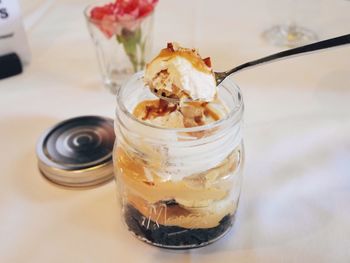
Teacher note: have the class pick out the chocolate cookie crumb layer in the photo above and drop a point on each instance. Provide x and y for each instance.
(173, 236)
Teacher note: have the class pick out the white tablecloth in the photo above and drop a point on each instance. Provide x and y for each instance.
(295, 203)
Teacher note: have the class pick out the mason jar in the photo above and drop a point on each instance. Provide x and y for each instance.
(179, 187)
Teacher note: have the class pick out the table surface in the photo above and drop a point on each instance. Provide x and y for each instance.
(295, 199)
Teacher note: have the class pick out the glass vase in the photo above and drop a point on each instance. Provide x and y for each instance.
(290, 29)
(123, 52)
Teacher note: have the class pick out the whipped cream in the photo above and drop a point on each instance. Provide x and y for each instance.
(173, 158)
(181, 71)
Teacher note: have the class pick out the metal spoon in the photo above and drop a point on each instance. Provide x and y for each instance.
(302, 50)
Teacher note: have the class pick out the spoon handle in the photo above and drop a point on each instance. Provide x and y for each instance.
(324, 44)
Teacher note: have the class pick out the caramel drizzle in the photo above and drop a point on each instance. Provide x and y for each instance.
(193, 112)
(150, 109)
(191, 55)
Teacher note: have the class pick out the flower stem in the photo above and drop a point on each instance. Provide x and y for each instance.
(142, 47)
(130, 40)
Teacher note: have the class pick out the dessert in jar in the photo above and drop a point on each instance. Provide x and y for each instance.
(178, 165)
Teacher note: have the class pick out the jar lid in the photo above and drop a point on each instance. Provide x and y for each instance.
(78, 152)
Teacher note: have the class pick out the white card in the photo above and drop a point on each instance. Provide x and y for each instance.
(12, 34)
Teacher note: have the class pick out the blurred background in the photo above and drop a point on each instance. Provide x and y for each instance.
(218, 28)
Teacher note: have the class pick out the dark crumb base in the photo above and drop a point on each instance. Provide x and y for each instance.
(174, 236)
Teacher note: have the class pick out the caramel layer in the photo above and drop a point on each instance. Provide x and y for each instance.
(131, 172)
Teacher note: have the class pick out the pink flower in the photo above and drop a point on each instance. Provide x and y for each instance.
(113, 17)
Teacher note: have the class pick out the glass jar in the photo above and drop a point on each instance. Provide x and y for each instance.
(180, 187)
(122, 48)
